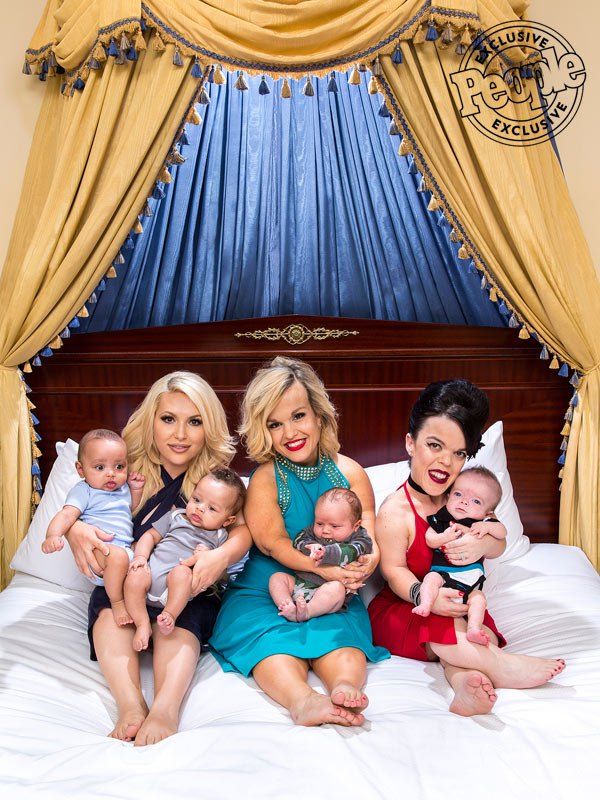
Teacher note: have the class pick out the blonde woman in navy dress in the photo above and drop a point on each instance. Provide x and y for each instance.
(289, 427)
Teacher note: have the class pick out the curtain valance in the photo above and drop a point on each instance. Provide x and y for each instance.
(292, 37)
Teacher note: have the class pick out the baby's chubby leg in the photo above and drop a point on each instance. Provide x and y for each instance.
(432, 583)
(281, 586)
(115, 566)
(137, 584)
(476, 605)
(327, 599)
(179, 584)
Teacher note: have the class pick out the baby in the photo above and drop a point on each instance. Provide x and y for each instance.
(156, 574)
(103, 498)
(473, 497)
(335, 538)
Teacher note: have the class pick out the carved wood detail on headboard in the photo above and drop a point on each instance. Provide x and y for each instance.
(373, 377)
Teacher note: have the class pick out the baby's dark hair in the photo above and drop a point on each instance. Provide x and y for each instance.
(460, 401)
(97, 433)
(488, 476)
(336, 494)
(232, 479)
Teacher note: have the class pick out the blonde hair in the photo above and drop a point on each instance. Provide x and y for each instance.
(142, 455)
(264, 392)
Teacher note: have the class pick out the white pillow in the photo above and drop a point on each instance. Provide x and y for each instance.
(58, 567)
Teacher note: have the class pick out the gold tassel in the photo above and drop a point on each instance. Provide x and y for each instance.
(405, 148)
(218, 76)
(99, 53)
(27, 367)
(139, 41)
(165, 176)
(419, 36)
(524, 333)
(554, 363)
(56, 343)
(285, 89)
(466, 36)
(36, 498)
(30, 405)
(373, 86)
(194, 116)
(462, 252)
(83, 312)
(111, 273)
(159, 45)
(493, 294)
(433, 204)
(35, 451)
(566, 430)
(354, 79)
(562, 472)
(138, 228)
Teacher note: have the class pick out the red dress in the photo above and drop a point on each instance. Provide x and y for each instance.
(393, 623)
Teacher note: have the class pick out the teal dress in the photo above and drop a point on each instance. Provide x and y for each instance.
(249, 627)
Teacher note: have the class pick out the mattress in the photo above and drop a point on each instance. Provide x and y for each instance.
(55, 712)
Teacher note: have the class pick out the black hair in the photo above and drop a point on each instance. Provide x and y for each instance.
(460, 401)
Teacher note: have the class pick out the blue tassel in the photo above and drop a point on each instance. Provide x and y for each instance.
(412, 167)
(35, 468)
(27, 388)
(332, 85)
(93, 63)
(177, 59)
(93, 298)
(197, 71)
(422, 187)
(562, 458)
(441, 221)
(264, 87)
(74, 323)
(143, 25)
(563, 371)
(503, 309)
(101, 286)
(534, 336)
(211, 75)
(79, 84)
(36, 437)
(383, 111)
(46, 352)
(66, 333)
(393, 129)
(59, 70)
(37, 484)
(44, 69)
(432, 33)
(26, 68)
(575, 380)
(473, 269)
(565, 443)
(129, 243)
(544, 355)
(42, 76)
(157, 192)
(113, 49)
(183, 139)
(34, 419)
(513, 322)
(575, 400)
(397, 55)
(132, 54)
(204, 98)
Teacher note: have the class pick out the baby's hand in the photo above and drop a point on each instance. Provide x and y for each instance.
(53, 544)
(139, 562)
(453, 530)
(316, 552)
(136, 480)
(479, 529)
(201, 548)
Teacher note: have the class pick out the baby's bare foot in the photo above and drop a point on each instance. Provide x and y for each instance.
(142, 636)
(317, 709)
(422, 610)
(120, 613)
(301, 609)
(156, 727)
(287, 609)
(478, 636)
(473, 694)
(349, 696)
(129, 722)
(512, 671)
(165, 622)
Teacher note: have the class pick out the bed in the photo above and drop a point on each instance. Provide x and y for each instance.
(55, 709)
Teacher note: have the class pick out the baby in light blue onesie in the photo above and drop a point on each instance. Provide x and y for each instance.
(103, 499)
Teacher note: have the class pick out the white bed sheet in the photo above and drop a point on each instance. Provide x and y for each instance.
(55, 712)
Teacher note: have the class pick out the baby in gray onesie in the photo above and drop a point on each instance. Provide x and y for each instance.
(156, 575)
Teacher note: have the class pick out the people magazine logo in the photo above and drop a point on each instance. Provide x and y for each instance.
(520, 83)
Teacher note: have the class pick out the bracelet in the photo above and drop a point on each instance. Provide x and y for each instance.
(414, 593)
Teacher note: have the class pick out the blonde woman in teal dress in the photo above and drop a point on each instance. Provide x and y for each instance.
(289, 427)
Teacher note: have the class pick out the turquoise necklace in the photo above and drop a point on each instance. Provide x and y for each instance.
(303, 472)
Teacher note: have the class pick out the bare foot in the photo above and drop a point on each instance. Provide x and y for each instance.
(349, 696)
(287, 609)
(422, 610)
(155, 728)
(473, 694)
(301, 609)
(478, 636)
(165, 622)
(317, 709)
(512, 671)
(129, 722)
(120, 613)
(142, 636)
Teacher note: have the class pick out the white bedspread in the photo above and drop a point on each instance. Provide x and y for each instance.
(55, 712)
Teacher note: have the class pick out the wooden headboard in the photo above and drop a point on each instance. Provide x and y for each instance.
(373, 374)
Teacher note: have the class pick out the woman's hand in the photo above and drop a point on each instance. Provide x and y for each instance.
(207, 568)
(368, 564)
(352, 576)
(446, 606)
(83, 539)
(465, 550)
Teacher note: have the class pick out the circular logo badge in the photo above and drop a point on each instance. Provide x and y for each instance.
(520, 83)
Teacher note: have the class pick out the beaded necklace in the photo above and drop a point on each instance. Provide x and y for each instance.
(303, 472)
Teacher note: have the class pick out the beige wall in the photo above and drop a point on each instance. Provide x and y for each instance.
(578, 20)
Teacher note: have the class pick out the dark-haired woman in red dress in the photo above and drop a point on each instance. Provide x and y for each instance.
(445, 429)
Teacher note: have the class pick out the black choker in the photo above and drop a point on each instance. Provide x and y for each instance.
(414, 485)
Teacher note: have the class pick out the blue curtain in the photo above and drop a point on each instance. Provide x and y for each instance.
(298, 206)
